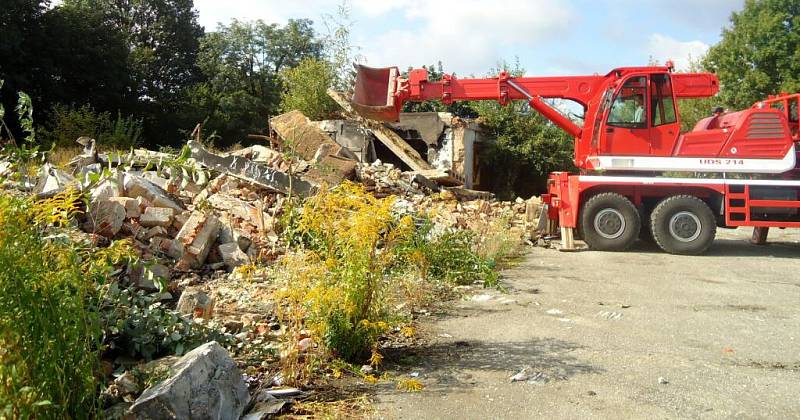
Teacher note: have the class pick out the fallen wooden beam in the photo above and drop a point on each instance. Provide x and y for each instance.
(389, 138)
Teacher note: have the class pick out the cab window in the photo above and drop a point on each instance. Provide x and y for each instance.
(629, 107)
(662, 102)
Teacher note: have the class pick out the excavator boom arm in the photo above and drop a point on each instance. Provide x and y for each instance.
(381, 92)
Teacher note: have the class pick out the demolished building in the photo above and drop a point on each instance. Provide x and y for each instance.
(446, 144)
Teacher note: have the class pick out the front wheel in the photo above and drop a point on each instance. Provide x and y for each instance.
(683, 224)
(610, 222)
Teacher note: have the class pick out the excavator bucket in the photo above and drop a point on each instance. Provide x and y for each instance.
(374, 93)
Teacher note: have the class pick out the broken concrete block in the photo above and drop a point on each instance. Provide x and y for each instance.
(195, 239)
(204, 384)
(136, 186)
(265, 406)
(105, 218)
(157, 216)
(242, 209)
(106, 189)
(131, 205)
(191, 190)
(180, 219)
(196, 303)
(52, 181)
(154, 231)
(333, 170)
(153, 177)
(258, 174)
(532, 209)
(161, 244)
(232, 255)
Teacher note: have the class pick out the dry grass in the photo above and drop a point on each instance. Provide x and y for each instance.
(62, 155)
(348, 408)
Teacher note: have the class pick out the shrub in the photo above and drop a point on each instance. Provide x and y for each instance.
(336, 286)
(138, 324)
(354, 254)
(49, 335)
(69, 123)
(449, 256)
(306, 89)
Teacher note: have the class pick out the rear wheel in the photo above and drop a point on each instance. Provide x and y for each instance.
(683, 224)
(610, 222)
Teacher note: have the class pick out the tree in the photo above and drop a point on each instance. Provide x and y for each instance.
(163, 37)
(527, 147)
(306, 89)
(240, 64)
(759, 54)
(65, 54)
(81, 59)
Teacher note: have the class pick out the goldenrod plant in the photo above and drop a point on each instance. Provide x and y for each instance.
(335, 285)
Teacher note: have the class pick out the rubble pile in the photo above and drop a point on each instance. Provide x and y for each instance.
(384, 179)
(199, 219)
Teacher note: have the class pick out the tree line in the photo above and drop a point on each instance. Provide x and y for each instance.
(146, 71)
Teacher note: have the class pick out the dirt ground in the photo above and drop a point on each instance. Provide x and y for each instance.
(640, 334)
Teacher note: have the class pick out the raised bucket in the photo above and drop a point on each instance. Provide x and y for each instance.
(374, 93)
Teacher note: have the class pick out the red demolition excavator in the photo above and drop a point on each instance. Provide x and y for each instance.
(630, 151)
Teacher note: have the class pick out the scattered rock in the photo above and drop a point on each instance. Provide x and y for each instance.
(196, 303)
(232, 255)
(195, 239)
(522, 375)
(105, 218)
(265, 406)
(662, 380)
(204, 384)
(157, 216)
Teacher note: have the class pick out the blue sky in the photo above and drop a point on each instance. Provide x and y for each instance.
(470, 36)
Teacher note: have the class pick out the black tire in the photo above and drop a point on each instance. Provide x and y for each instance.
(610, 222)
(683, 224)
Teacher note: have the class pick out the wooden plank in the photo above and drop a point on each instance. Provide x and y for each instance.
(389, 138)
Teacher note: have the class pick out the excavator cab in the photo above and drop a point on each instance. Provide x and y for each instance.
(641, 119)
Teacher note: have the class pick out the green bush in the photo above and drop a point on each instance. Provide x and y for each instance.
(138, 324)
(49, 334)
(69, 123)
(306, 89)
(449, 256)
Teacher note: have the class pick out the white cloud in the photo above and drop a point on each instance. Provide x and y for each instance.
(468, 37)
(663, 48)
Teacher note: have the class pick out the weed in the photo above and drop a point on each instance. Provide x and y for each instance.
(48, 332)
(138, 323)
(410, 385)
(450, 256)
(337, 284)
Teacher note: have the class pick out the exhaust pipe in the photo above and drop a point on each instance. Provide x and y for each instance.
(374, 94)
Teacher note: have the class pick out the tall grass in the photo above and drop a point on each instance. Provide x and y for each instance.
(49, 335)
